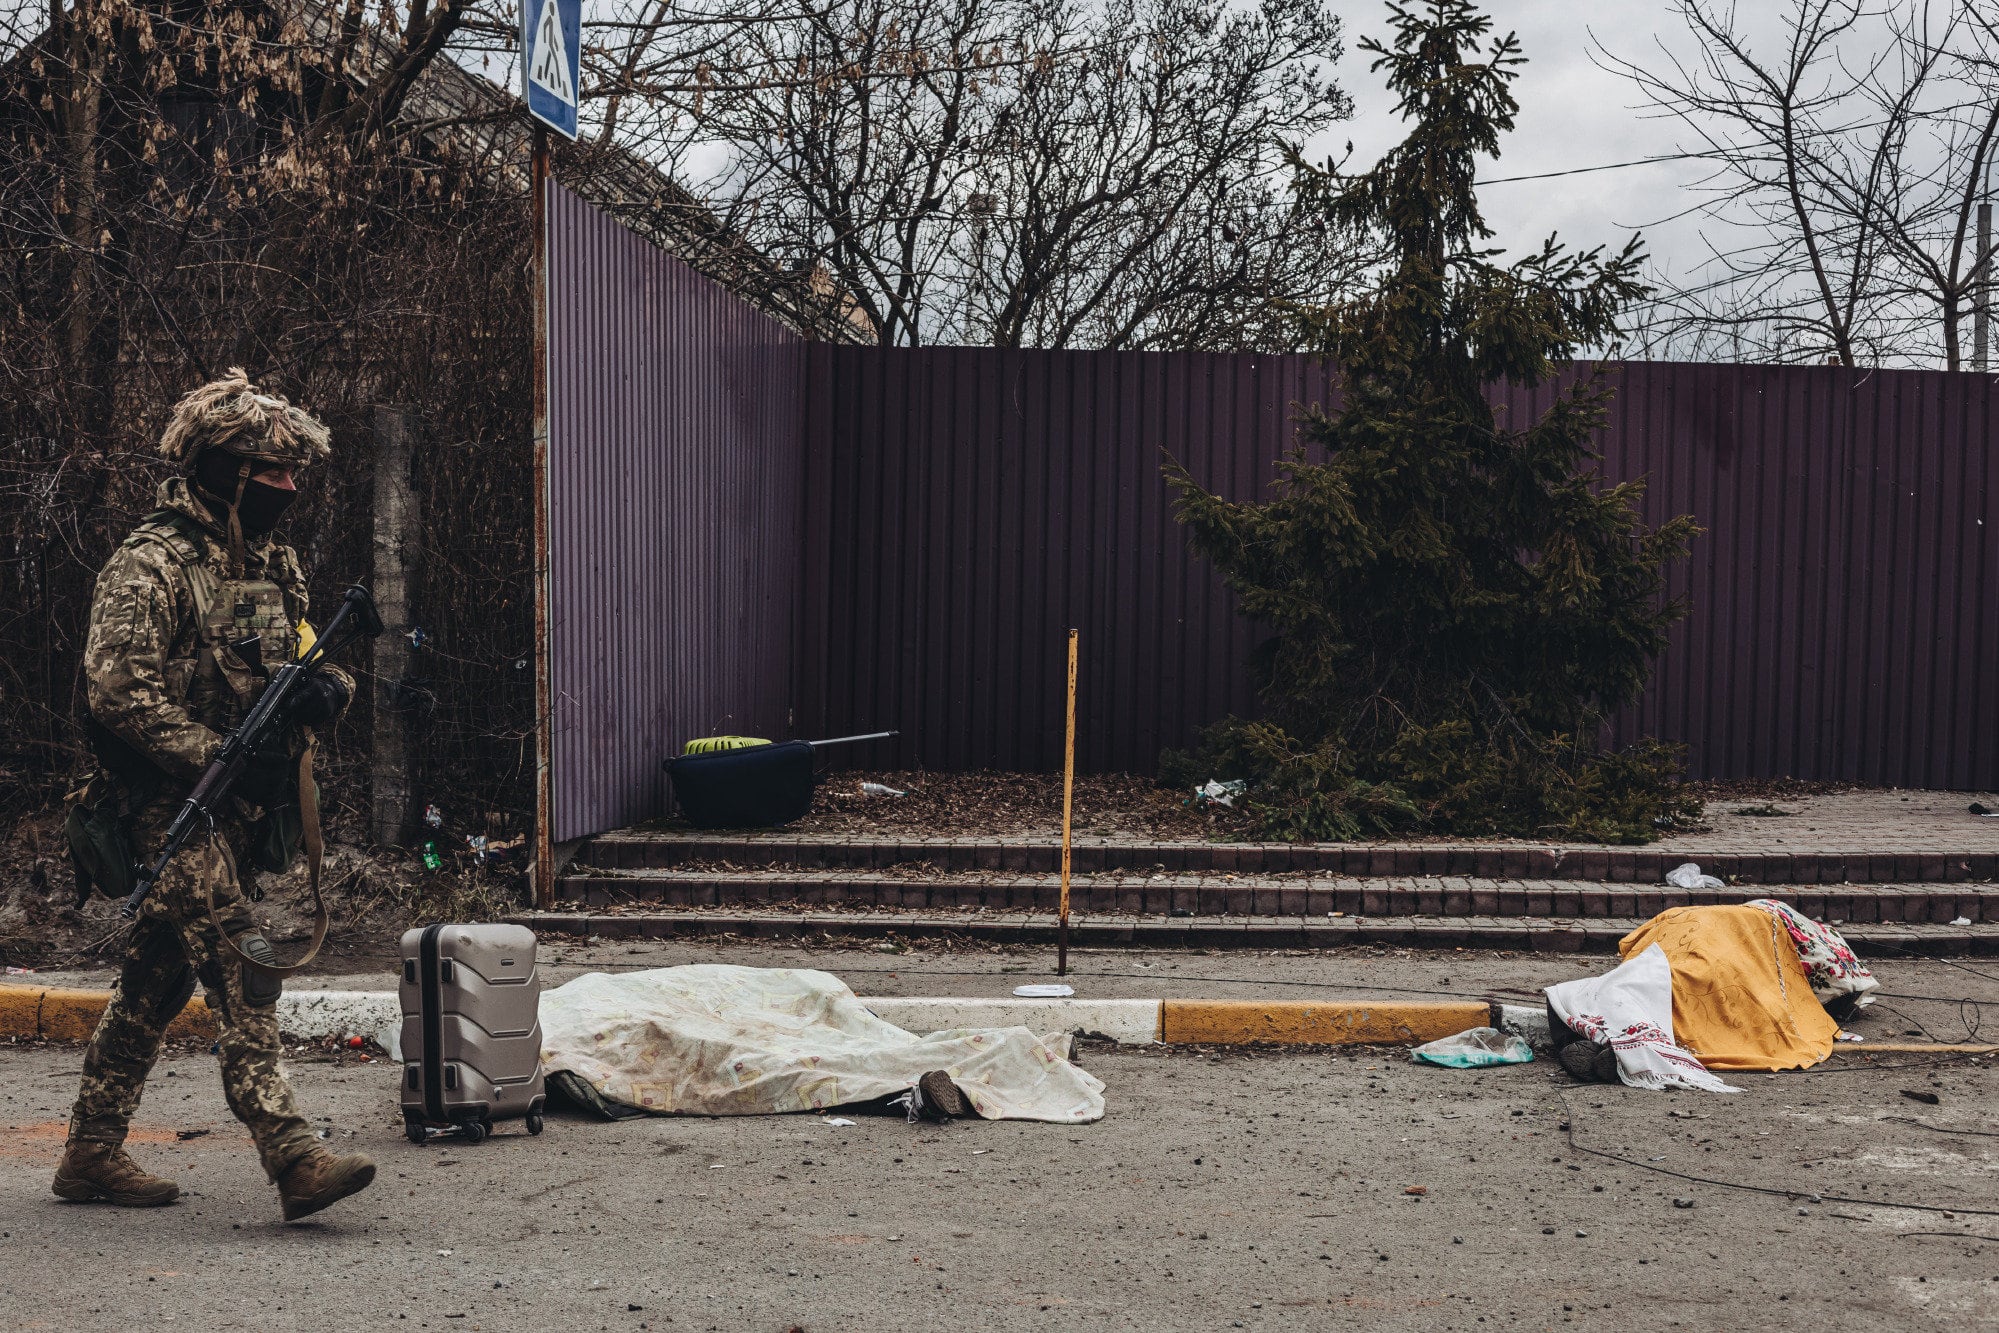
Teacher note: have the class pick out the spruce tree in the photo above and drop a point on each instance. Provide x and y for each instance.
(1455, 599)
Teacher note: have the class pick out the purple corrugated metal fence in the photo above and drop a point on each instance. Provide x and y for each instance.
(744, 526)
(971, 504)
(674, 508)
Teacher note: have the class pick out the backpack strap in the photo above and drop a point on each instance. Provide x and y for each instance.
(182, 538)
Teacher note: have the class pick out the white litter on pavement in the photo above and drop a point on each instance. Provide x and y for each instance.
(1689, 876)
(1044, 990)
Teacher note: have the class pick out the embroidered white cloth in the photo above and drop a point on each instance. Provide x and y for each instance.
(1829, 961)
(1631, 1007)
(717, 1040)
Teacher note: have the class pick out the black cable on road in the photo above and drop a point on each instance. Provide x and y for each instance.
(1569, 1128)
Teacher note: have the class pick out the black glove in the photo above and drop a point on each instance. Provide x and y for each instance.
(320, 699)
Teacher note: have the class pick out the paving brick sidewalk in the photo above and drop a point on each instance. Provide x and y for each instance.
(1881, 822)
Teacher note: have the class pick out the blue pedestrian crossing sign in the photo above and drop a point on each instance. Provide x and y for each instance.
(551, 60)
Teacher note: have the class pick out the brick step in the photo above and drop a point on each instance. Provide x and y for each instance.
(1297, 895)
(1525, 934)
(1619, 865)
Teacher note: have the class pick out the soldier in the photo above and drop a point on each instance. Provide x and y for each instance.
(187, 614)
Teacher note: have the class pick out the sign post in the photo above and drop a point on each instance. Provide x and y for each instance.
(551, 67)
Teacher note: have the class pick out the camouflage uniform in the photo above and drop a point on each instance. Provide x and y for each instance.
(164, 680)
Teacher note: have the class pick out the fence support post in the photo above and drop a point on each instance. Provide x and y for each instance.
(395, 512)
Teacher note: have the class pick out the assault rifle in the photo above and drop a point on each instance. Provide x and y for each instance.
(355, 619)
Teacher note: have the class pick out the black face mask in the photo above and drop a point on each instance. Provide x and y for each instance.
(261, 507)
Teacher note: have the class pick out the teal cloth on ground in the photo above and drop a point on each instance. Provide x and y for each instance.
(1475, 1049)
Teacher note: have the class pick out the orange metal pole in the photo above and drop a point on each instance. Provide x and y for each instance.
(1068, 802)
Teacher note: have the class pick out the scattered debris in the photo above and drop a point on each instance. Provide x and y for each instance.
(880, 789)
(185, 1134)
(1683, 1203)
(433, 817)
(1689, 876)
(1765, 811)
(837, 1120)
(1978, 809)
(1926, 1098)
(1044, 990)
(1417, 1190)
(1475, 1048)
(1223, 794)
(1961, 921)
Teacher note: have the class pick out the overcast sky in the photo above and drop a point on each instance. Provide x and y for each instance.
(1572, 114)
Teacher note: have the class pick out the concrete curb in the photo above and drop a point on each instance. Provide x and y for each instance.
(29, 1013)
(1132, 1022)
(1318, 1022)
(54, 1013)
(71, 1015)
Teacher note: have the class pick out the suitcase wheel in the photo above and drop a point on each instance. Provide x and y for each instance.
(475, 1131)
(534, 1122)
(413, 1129)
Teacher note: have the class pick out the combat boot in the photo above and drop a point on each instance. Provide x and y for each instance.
(320, 1178)
(93, 1172)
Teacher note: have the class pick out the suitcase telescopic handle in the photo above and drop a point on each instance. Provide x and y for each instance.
(855, 740)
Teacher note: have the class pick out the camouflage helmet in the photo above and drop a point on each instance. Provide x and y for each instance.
(231, 415)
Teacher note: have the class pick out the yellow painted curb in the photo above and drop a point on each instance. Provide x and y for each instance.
(20, 1012)
(54, 1014)
(1908, 1048)
(1335, 1023)
(71, 1015)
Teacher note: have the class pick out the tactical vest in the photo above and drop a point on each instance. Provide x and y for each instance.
(243, 629)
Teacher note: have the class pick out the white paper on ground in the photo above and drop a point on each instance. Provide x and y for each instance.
(1044, 990)
(718, 1040)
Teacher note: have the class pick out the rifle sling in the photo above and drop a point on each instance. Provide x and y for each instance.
(310, 839)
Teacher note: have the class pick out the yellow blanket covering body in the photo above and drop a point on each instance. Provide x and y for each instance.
(1741, 999)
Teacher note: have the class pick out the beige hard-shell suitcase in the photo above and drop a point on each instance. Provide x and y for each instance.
(471, 1030)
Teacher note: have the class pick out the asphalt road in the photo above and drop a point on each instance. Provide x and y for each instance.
(1250, 1189)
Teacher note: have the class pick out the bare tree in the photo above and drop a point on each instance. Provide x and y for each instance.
(1016, 172)
(189, 186)
(1848, 168)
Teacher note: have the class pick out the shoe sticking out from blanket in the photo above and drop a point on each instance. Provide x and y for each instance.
(934, 1098)
(941, 1098)
(1589, 1062)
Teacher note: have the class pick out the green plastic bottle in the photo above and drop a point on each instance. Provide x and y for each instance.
(431, 860)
